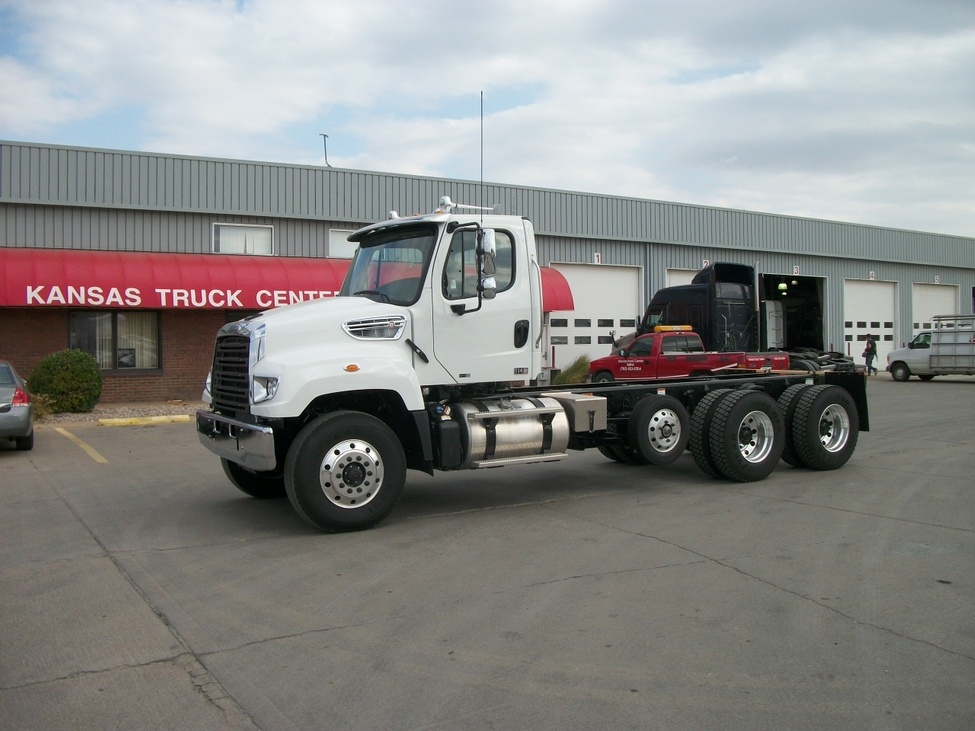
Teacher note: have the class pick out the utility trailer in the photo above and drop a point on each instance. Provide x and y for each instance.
(429, 360)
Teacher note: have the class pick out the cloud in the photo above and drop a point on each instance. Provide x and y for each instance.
(864, 111)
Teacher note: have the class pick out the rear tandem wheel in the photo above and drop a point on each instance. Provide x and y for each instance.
(746, 436)
(698, 442)
(825, 427)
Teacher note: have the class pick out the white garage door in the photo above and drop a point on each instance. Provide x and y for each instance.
(928, 300)
(608, 300)
(680, 276)
(869, 307)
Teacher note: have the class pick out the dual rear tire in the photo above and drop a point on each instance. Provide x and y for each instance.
(738, 435)
(742, 435)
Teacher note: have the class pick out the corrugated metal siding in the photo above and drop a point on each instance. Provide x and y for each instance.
(79, 177)
(105, 229)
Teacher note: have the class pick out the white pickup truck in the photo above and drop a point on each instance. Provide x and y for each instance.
(947, 349)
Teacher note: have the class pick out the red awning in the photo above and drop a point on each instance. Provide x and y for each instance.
(68, 278)
(556, 293)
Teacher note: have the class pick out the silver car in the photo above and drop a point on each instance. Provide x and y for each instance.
(16, 409)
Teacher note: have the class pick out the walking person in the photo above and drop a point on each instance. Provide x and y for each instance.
(869, 353)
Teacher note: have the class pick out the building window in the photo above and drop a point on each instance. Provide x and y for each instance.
(339, 246)
(560, 322)
(235, 238)
(117, 340)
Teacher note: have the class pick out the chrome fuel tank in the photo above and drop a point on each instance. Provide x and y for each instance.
(511, 430)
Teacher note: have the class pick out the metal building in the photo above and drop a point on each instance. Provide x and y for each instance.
(139, 223)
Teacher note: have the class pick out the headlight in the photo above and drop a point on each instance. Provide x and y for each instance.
(207, 396)
(258, 344)
(263, 388)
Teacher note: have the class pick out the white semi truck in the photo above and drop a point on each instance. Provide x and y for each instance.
(429, 359)
(945, 350)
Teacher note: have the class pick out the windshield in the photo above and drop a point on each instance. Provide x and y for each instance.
(391, 267)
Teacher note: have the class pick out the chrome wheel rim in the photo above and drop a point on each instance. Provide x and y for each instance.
(664, 430)
(351, 473)
(756, 435)
(834, 428)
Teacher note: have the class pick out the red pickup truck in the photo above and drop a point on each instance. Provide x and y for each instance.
(676, 352)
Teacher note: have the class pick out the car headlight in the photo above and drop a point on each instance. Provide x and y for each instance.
(263, 388)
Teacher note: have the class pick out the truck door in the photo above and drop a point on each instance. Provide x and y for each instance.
(493, 341)
(639, 361)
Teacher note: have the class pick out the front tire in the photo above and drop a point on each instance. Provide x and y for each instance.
(603, 377)
(260, 485)
(345, 471)
(900, 372)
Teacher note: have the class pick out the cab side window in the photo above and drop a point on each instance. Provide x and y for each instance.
(641, 347)
(674, 344)
(460, 269)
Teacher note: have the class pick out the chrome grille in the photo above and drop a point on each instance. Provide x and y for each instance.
(229, 382)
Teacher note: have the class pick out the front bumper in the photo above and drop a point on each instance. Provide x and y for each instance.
(249, 445)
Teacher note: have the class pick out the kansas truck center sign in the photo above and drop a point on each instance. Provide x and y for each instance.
(56, 278)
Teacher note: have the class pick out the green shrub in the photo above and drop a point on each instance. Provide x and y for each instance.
(70, 379)
(42, 406)
(576, 371)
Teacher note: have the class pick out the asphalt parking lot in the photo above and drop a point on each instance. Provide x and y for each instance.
(139, 589)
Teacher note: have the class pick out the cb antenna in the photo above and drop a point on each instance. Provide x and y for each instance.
(481, 191)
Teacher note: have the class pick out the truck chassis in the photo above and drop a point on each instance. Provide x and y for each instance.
(343, 463)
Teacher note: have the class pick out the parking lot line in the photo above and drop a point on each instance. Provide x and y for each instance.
(92, 452)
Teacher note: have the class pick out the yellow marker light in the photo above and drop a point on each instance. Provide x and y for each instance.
(351, 368)
(671, 328)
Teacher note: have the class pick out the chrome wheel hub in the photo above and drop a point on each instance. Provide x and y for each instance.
(351, 473)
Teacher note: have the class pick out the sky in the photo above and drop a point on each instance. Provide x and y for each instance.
(850, 110)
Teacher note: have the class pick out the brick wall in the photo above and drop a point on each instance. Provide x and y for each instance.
(186, 350)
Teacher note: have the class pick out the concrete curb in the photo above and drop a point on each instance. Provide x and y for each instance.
(145, 420)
